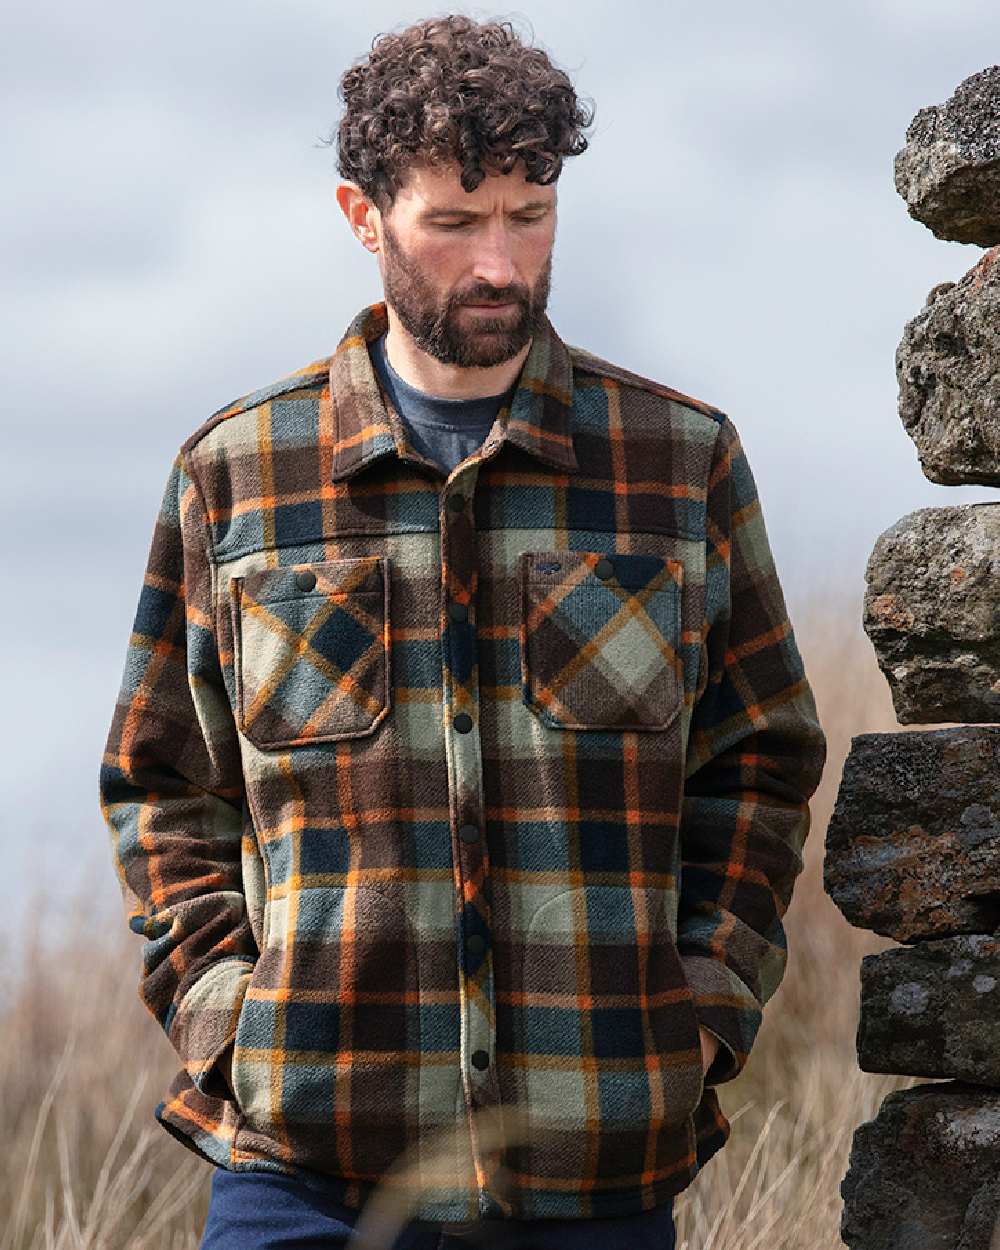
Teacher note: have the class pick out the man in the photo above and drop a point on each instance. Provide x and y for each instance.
(462, 761)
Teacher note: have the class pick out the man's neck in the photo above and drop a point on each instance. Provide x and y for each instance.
(434, 377)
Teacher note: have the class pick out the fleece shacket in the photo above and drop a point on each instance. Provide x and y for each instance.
(457, 801)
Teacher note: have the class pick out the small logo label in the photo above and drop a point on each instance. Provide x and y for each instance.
(548, 566)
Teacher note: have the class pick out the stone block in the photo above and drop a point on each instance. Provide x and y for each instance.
(920, 1167)
(948, 369)
(932, 612)
(913, 843)
(949, 170)
(932, 1010)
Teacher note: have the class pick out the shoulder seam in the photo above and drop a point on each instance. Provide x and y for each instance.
(304, 379)
(587, 362)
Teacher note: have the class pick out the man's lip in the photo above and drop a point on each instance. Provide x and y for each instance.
(508, 303)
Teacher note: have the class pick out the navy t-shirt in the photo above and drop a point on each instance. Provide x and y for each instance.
(446, 430)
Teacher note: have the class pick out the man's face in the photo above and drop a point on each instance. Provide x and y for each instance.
(468, 273)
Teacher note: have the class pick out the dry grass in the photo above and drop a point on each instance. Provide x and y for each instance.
(86, 1166)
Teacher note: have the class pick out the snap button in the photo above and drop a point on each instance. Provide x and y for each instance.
(480, 1059)
(463, 722)
(305, 579)
(456, 502)
(468, 833)
(476, 944)
(604, 567)
(458, 611)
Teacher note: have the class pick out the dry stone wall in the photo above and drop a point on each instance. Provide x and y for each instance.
(913, 847)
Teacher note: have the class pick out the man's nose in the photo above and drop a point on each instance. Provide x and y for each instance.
(494, 263)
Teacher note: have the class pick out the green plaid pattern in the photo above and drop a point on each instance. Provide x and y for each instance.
(444, 794)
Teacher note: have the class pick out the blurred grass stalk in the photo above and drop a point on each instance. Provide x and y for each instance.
(85, 1165)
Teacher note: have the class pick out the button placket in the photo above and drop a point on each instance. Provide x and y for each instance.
(459, 576)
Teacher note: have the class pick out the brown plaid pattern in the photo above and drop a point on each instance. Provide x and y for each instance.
(437, 794)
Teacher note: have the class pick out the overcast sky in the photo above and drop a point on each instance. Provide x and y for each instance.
(170, 240)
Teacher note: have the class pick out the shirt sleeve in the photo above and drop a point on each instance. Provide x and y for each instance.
(756, 752)
(171, 793)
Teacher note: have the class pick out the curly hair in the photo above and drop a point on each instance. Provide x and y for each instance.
(453, 89)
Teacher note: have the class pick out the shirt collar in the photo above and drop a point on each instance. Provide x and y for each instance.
(539, 420)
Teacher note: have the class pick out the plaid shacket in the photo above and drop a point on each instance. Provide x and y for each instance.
(445, 795)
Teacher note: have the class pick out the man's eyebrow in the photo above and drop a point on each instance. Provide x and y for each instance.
(530, 206)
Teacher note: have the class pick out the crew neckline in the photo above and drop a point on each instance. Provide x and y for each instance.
(447, 400)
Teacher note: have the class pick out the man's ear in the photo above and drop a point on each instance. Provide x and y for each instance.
(362, 215)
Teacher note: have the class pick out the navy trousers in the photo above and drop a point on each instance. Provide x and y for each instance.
(268, 1211)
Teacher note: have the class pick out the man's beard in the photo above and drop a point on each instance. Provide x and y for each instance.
(436, 324)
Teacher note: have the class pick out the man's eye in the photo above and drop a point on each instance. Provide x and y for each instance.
(521, 218)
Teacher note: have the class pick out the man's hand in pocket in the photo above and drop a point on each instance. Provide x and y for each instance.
(709, 1046)
(225, 1065)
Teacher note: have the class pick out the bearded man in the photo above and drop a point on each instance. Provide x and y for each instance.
(460, 773)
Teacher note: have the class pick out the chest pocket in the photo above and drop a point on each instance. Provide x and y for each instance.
(311, 651)
(600, 639)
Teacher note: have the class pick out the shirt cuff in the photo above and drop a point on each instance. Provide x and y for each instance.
(727, 1009)
(205, 1023)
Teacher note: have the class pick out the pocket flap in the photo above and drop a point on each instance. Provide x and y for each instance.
(633, 571)
(352, 575)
